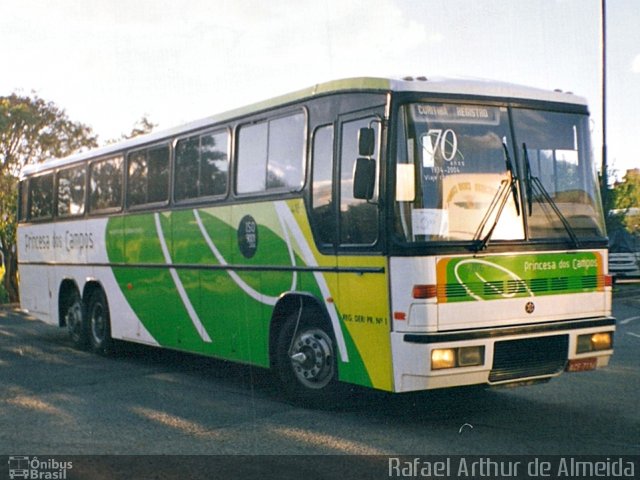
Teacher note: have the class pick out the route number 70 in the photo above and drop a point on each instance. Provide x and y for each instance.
(437, 140)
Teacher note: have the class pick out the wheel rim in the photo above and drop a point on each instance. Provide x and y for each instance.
(98, 323)
(311, 358)
(73, 320)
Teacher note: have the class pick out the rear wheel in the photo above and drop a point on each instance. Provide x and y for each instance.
(74, 319)
(99, 323)
(306, 361)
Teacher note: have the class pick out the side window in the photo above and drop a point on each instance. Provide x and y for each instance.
(105, 184)
(285, 165)
(137, 178)
(23, 206)
(158, 184)
(358, 218)
(71, 190)
(187, 168)
(214, 164)
(148, 176)
(323, 213)
(252, 158)
(271, 155)
(202, 166)
(41, 197)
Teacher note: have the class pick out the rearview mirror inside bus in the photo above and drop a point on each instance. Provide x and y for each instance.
(366, 141)
(364, 178)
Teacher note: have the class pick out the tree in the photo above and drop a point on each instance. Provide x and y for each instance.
(31, 131)
(626, 196)
(8, 255)
(141, 127)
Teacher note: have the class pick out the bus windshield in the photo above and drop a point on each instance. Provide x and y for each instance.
(456, 163)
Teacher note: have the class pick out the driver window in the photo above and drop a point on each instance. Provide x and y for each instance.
(358, 218)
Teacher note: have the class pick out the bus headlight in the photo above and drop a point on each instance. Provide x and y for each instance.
(593, 342)
(457, 357)
(470, 356)
(443, 358)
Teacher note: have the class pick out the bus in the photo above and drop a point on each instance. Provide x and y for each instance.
(402, 234)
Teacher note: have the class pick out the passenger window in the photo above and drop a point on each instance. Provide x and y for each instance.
(202, 166)
(252, 158)
(71, 190)
(158, 182)
(105, 184)
(271, 155)
(285, 166)
(41, 196)
(23, 206)
(187, 167)
(137, 178)
(148, 176)
(214, 164)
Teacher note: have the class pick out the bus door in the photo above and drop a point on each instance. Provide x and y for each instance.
(362, 281)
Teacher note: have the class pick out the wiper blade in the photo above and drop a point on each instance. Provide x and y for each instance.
(528, 180)
(534, 182)
(499, 200)
(514, 177)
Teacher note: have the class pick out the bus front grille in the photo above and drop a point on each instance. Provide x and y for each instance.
(531, 357)
(501, 288)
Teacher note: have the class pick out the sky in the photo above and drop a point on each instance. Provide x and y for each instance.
(109, 62)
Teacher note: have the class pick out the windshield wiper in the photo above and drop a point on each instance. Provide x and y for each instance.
(514, 177)
(499, 200)
(534, 182)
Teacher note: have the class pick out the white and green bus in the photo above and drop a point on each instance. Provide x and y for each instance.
(401, 234)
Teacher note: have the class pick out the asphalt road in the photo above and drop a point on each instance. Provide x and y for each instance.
(55, 399)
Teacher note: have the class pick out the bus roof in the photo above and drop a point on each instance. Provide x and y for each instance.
(418, 84)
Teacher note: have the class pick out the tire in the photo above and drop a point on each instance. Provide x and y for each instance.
(72, 313)
(99, 323)
(306, 363)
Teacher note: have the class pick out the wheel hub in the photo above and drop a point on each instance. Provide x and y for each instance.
(73, 319)
(97, 323)
(312, 358)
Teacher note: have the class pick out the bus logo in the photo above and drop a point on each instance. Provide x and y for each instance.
(26, 467)
(529, 307)
(18, 467)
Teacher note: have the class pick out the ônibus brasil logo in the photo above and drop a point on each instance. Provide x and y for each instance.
(483, 280)
(34, 468)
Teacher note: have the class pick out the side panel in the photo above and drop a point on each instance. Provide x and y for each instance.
(109, 246)
(37, 246)
(364, 307)
(77, 251)
(206, 280)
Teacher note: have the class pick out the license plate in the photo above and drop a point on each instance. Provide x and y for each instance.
(582, 364)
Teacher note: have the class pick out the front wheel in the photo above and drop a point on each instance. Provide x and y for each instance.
(99, 323)
(306, 362)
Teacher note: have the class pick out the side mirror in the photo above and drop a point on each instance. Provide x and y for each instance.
(364, 178)
(366, 141)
